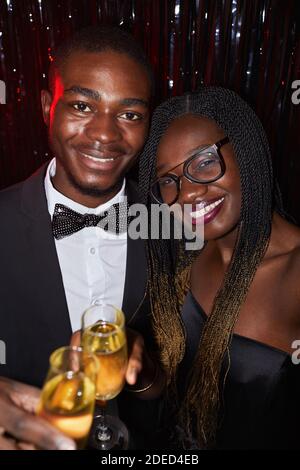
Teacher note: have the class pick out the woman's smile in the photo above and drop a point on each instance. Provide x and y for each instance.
(206, 211)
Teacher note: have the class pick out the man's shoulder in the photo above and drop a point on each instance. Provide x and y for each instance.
(11, 197)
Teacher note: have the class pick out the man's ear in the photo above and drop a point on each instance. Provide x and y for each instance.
(46, 100)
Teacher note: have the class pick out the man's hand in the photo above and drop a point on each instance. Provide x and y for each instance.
(19, 427)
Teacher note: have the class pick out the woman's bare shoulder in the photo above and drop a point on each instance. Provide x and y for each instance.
(284, 251)
(285, 238)
(288, 238)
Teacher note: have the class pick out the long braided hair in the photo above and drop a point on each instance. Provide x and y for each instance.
(169, 266)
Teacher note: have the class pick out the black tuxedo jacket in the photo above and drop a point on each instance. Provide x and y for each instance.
(34, 318)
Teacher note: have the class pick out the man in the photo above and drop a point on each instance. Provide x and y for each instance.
(97, 113)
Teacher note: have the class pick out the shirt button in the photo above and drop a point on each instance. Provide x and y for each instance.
(92, 250)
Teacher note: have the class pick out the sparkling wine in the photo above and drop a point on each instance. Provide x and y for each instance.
(67, 402)
(107, 342)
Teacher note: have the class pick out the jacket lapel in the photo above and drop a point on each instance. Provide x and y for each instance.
(44, 261)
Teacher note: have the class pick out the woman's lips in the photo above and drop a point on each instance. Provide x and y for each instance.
(205, 212)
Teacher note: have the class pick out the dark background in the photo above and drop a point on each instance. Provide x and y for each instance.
(250, 46)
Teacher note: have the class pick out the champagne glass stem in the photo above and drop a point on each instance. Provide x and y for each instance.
(103, 433)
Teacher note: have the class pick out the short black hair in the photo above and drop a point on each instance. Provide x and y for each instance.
(98, 39)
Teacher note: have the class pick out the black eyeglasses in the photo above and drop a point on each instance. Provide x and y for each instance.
(205, 166)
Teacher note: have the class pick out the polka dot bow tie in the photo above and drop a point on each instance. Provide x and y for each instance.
(65, 221)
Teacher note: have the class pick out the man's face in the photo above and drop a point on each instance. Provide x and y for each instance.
(98, 121)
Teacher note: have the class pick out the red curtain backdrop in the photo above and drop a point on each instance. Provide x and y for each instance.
(250, 46)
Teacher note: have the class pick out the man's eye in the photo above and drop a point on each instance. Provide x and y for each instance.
(81, 107)
(130, 116)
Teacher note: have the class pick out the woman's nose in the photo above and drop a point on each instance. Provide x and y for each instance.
(190, 191)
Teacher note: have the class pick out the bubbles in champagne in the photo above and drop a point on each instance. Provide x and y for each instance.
(108, 342)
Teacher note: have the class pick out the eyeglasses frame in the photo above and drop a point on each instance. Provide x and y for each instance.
(177, 179)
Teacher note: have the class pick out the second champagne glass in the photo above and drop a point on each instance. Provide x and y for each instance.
(68, 396)
(103, 334)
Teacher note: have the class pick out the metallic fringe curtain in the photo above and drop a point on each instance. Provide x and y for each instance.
(250, 46)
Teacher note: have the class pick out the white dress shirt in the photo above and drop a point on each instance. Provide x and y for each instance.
(92, 261)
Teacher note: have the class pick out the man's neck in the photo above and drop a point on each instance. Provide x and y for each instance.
(87, 200)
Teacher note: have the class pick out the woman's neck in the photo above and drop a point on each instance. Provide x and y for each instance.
(224, 246)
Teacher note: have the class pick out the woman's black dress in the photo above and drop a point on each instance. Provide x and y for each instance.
(261, 400)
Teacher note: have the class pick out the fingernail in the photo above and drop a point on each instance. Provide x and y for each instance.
(65, 444)
(133, 374)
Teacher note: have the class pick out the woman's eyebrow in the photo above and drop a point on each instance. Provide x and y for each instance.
(190, 153)
(197, 149)
(160, 167)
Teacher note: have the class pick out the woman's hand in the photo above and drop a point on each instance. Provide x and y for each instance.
(142, 370)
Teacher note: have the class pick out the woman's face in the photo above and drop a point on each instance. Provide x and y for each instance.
(215, 204)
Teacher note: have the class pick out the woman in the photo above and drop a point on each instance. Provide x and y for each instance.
(229, 351)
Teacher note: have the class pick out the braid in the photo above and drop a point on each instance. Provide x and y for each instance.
(167, 275)
(169, 266)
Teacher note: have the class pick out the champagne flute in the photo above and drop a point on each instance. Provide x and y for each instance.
(103, 334)
(68, 396)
